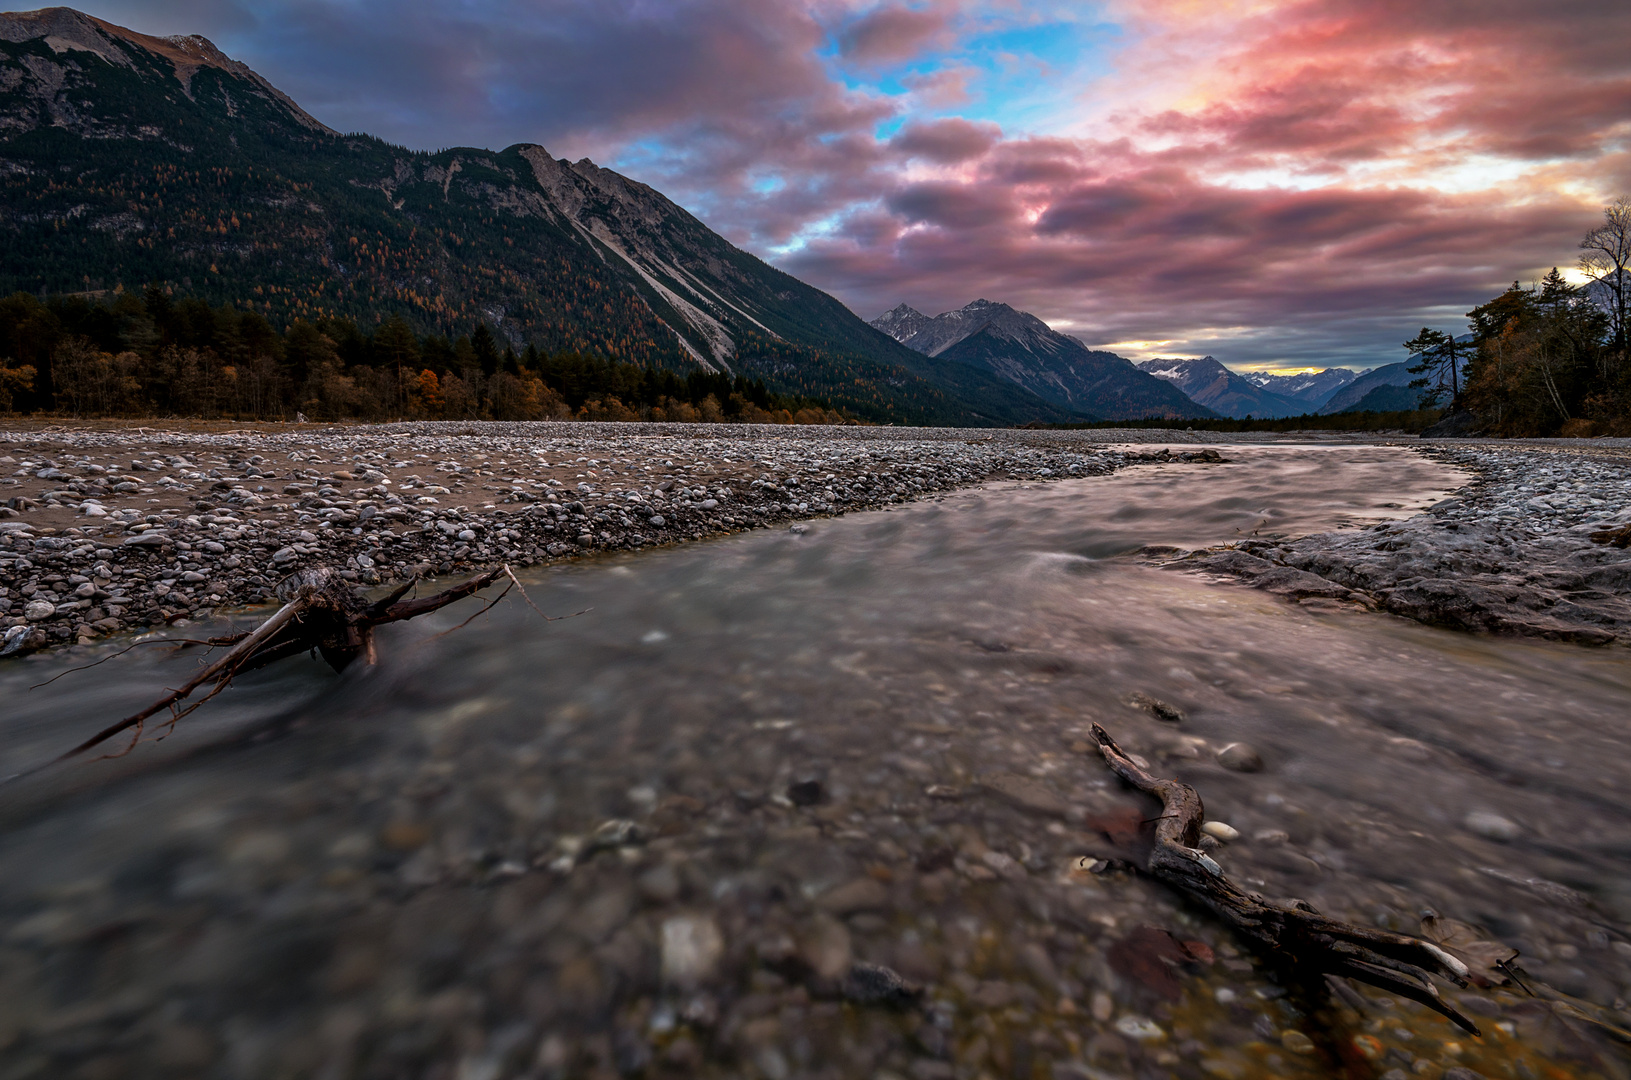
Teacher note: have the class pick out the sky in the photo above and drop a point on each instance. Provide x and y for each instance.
(1282, 184)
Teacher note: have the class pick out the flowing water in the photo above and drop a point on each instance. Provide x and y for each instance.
(859, 743)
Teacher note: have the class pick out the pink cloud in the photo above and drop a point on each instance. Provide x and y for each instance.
(946, 142)
(892, 33)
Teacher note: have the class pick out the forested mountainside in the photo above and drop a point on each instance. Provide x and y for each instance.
(127, 160)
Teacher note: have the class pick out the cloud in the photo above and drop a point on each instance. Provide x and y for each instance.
(893, 33)
(946, 142)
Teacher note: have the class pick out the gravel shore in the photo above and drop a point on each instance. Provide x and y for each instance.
(1534, 546)
(105, 529)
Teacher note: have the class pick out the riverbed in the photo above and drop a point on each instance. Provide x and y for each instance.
(657, 837)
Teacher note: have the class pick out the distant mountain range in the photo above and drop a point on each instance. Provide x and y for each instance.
(1211, 384)
(1311, 389)
(127, 159)
(1383, 389)
(1022, 349)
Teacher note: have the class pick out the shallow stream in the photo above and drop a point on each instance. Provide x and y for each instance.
(858, 743)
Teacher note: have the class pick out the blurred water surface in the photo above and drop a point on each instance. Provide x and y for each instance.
(862, 742)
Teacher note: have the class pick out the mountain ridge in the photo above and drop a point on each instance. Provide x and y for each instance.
(1313, 388)
(1021, 348)
(183, 166)
(1209, 383)
(1393, 379)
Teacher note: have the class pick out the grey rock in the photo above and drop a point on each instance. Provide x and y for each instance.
(805, 791)
(691, 949)
(862, 894)
(1025, 792)
(874, 984)
(1157, 708)
(1492, 826)
(1240, 757)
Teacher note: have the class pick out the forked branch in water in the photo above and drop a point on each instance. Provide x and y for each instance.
(320, 611)
(1291, 935)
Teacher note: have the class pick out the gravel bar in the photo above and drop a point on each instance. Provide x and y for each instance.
(1535, 545)
(110, 528)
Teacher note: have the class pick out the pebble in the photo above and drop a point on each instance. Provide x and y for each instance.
(872, 984)
(1296, 1041)
(1240, 757)
(1218, 830)
(1492, 825)
(691, 948)
(862, 894)
(1025, 792)
(1140, 1028)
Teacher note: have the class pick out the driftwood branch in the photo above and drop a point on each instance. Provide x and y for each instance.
(320, 612)
(1290, 935)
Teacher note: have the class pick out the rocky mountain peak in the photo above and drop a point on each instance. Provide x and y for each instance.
(66, 31)
(901, 321)
(933, 336)
(1017, 346)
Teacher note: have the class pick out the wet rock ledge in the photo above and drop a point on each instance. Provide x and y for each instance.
(1536, 545)
(103, 530)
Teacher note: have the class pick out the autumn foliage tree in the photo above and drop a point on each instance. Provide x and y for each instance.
(1535, 369)
(152, 354)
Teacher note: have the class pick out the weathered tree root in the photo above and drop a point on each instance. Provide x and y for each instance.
(1291, 936)
(320, 611)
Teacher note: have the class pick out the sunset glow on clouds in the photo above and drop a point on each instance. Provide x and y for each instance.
(1276, 182)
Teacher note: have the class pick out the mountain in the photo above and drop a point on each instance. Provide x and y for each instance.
(127, 159)
(1019, 347)
(1383, 389)
(900, 322)
(1312, 389)
(1211, 384)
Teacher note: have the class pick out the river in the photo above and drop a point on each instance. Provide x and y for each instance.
(859, 742)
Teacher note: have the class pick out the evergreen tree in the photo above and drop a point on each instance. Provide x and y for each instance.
(1437, 355)
(486, 349)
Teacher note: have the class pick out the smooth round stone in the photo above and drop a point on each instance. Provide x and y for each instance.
(1138, 1027)
(1240, 757)
(1491, 825)
(1219, 831)
(35, 610)
(1296, 1042)
(692, 946)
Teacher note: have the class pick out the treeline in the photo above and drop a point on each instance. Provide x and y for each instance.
(152, 354)
(1410, 421)
(1548, 360)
